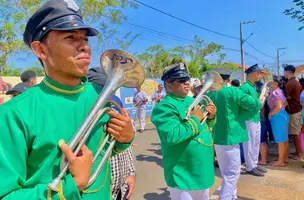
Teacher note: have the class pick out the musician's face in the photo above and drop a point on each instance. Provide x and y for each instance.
(179, 87)
(66, 53)
(255, 76)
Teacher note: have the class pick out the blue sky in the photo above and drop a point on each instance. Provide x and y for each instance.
(271, 30)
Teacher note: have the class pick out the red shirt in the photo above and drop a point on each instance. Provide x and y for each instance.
(293, 92)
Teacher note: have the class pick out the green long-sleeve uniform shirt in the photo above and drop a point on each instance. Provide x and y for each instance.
(253, 116)
(186, 145)
(31, 125)
(230, 128)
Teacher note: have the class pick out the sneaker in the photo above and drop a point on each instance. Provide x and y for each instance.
(255, 172)
(261, 169)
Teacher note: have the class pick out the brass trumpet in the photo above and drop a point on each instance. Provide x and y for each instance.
(122, 69)
(211, 81)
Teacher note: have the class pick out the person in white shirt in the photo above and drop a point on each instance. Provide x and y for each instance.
(140, 100)
(159, 94)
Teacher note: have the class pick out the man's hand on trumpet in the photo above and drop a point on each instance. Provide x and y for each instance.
(120, 126)
(211, 109)
(79, 165)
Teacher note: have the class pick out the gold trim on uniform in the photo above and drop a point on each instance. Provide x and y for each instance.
(62, 90)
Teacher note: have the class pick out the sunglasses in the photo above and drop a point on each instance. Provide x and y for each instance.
(182, 80)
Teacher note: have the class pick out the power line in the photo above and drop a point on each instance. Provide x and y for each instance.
(198, 26)
(259, 50)
(187, 22)
(181, 38)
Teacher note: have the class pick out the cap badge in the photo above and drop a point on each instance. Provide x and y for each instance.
(181, 66)
(72, 5)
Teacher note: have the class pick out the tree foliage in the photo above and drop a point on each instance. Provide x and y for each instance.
(104, 15)
(297, 13)
(156, 58)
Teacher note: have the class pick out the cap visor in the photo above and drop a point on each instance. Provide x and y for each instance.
(10, 92)
(74, 24)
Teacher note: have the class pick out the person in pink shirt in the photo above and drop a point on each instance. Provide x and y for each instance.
(279, 120)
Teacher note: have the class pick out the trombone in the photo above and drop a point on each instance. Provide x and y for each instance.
(211, 81)
(122, 69)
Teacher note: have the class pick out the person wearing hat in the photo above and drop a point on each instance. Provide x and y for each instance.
(18, 89)
(187, 145)
(196, 87)
(229, 131)
(293, 91)
(122, 165)
(159, 94)
(252, 147)
(34, 128)
(29, 77)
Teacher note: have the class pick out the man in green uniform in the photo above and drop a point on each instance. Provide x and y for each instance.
(229, 131)
(35, 122)
(252, 147)
(187, 145)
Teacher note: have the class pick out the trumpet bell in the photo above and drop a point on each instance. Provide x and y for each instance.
(215, 77)
(117, 63)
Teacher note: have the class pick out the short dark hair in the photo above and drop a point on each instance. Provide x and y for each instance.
(27, 76)
(235, 83)
(290, 68)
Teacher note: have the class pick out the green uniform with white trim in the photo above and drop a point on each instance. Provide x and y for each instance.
(187, 146)
(31, 126)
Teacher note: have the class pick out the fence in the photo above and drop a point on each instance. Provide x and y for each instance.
(125, 94)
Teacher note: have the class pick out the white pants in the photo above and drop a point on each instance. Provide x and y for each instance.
(177, 194)
(141, 115)
(229, 160)
(252, 147)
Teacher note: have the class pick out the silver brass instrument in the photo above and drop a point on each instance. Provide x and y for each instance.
(211, 81)
(264, 89)
(122, 69)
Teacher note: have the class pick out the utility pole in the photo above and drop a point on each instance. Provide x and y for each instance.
(242, 48)
(278, 59)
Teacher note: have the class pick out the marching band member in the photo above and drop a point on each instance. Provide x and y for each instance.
(159, 94)
(252, 147)
(229, 131)
(140, 100)
(187, 146)
(35, 122)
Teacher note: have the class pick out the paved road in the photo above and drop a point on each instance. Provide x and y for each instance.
(278, 184)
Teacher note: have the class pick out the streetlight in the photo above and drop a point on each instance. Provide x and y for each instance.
(242, 48)
(278, 58)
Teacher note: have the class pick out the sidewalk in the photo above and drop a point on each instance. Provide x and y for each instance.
(278, 184)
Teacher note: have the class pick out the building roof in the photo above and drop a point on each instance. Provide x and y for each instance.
(300, 69)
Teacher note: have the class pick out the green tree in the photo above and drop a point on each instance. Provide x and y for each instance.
(297, 13)
(196, 55)
(39, 70)
(155, 59)
(102, 14)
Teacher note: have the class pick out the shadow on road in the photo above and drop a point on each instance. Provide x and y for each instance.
(156, 151)
(147, 158)
(154, 196)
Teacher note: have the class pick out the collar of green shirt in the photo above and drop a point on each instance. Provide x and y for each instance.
(250, 83)
(180, 98)
(63, 89)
